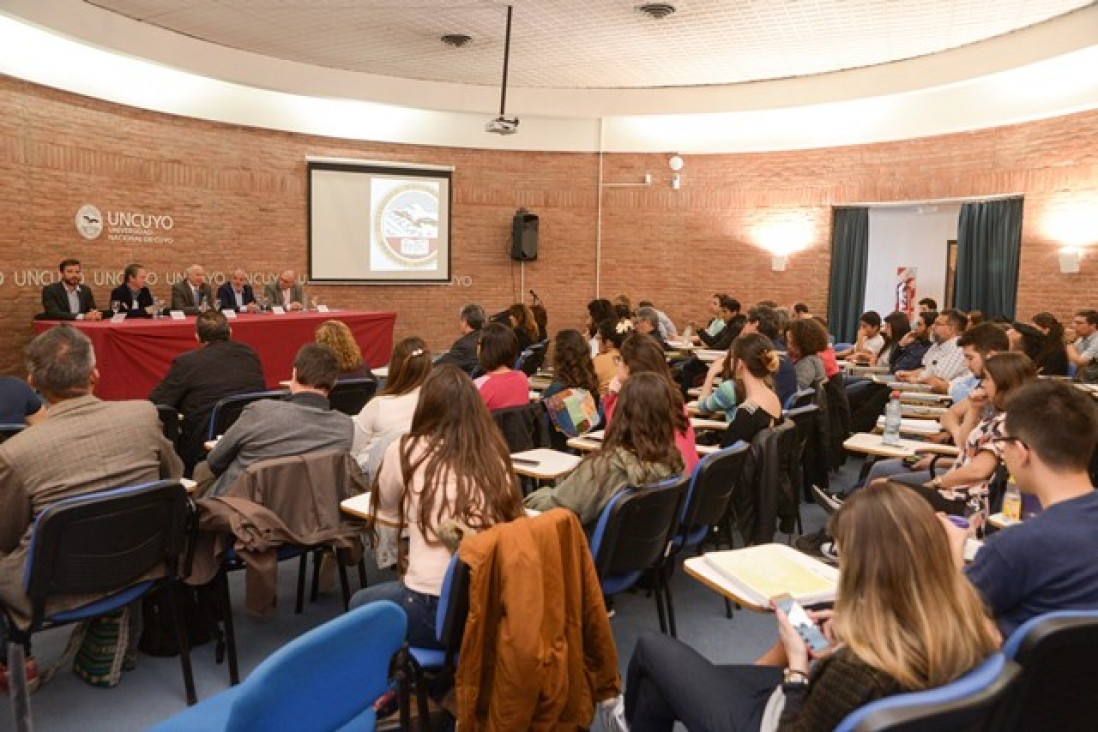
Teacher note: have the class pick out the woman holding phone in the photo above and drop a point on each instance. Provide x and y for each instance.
(904, 620)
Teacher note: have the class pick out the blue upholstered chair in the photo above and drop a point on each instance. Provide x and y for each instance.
(967, 704)
(324, 680)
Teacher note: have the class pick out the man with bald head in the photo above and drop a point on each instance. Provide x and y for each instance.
(237, 294)
(190, 292)
(286, 292)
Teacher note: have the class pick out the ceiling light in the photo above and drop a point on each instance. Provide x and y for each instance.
(457, 40)
(659, 11)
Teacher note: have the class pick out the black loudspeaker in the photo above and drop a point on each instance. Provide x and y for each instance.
(524, 236)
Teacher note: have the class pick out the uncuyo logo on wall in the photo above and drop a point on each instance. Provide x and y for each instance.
(89, 221)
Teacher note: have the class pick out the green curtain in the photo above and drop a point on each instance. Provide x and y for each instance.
(989, 242)
(849, 254)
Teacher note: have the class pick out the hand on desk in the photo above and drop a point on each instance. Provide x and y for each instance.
(93, 315)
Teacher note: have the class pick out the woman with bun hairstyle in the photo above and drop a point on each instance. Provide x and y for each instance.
(610, 335)
(753, 363)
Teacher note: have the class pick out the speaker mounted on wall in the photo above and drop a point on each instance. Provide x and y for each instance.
(524, 236)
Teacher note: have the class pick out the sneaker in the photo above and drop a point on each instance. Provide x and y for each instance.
(810, 543)
(828, 501)
(829, 553)
(612, 714)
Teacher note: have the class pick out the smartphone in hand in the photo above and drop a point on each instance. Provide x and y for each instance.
(804, 626)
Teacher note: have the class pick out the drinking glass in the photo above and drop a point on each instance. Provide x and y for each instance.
(115, 305)
(315, 300)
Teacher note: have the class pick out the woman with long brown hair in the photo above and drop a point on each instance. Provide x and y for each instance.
(572, 366)
(524, 324)
(639, 448)
(904, 620)
(389, 414)
(452, 465)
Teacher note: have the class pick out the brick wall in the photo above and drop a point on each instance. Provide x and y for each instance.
(236, 197)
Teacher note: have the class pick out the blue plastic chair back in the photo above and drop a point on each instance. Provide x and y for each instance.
(799, 398)
(692, 527)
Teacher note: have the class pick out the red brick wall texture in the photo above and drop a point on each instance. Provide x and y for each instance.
(236, 197)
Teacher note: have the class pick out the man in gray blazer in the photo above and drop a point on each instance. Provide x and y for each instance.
(84, 445)
(189, 292)
(272, 428)
(286, 292)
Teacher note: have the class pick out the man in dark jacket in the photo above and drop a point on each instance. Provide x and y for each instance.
(463, 353)
(69, 299)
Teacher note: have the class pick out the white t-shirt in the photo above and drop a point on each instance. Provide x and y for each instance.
(874, 344)
(383, 419)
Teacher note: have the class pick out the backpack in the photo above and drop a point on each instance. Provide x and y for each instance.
(573, 411)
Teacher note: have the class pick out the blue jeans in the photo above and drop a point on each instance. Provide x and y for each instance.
(420, 608)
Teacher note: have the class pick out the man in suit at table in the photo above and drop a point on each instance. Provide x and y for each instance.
(237, 294)
(463, 353)
(198, 379)
(190, 292)
(69, 299)
(85, 445)
(271, 428)
(133, 296)
(286, 292)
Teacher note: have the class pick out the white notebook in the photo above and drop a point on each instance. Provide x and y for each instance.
(759, 573)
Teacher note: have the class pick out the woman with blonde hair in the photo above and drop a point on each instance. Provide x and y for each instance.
(336, 335)
(389, 414)
(904, 620)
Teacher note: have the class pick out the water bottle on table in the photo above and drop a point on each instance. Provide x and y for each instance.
(893, 415)
(1012, 501)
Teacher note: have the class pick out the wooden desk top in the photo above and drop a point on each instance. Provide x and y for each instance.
(544, 464)
(912, 426)
(871, 444)
(785, 564)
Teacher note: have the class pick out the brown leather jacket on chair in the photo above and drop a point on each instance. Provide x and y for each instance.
(287, 500)
(538, 652)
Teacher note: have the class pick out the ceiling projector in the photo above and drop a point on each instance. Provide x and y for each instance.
(502, 125)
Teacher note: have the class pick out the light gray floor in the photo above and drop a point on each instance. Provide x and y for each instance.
(154, 691)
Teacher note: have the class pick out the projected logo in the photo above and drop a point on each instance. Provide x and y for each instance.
(406, 224)
(89, 222)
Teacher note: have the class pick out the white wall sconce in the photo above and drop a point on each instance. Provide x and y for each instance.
(1069, 260)
(778, 262)
(675, 163)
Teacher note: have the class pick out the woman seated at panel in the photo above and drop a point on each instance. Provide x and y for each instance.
(452, 466)
(389, 414)
(336, 335)
(966, 482)
(610, 335)
(641, 354)
(806, 340)
(521, 318)
(904, 620)
(639, 449)
(500, 385)
(752, 361)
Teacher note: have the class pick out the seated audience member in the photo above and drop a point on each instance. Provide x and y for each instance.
(975, 317)
(18, 402)
(1083, 353)
(716, 323)
(338, 336)
(667, 328)
(868, 399)
(641, 354)
(624, 305)
(870, 341)
(521, 319)
(720, 397)
(271, 428)
(572, 365)
(753, 362)
(732, 323)
(1047, 562)
(285, 292)
(389, 414)
(800, 310)
(500, 385)
(192, 292)
(944, 360)
(639, 449)
(764, 319)
(928, 304)
(86, 445)
(610, 336)
(827, 355)
(977, 344)
(966, 482)
(541, 317)
(647, 322)
(598, 311)
(198, 379)
(68, 299)
(463, 352)
(806, 340)
(452, 466)
(1051, 359)
(133, 297)
(904, 620)
(237, 294)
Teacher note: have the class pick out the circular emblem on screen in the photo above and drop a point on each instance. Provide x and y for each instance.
(89, 222)
(406, 224)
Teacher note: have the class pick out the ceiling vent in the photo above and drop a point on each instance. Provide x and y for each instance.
(457, 40)
(659, 11)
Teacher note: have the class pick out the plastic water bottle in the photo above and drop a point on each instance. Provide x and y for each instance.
(892, 420)
(1012, 501)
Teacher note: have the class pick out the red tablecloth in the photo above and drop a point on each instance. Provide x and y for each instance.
(134, 356)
